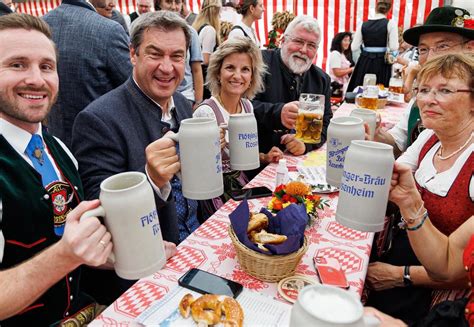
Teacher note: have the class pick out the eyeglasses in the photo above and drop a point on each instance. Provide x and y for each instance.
(442, 47)
(301, 43)
(439, 94)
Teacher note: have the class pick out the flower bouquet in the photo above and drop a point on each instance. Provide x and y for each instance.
(298, 193)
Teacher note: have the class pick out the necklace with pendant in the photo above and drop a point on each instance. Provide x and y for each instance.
(440, 154)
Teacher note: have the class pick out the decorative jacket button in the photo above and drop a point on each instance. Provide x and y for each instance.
(46, 196)
(76, 188)
(71, 297)
(70, 279)
(67, 314)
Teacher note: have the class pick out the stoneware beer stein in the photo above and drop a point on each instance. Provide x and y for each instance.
(369, 117)
(200, 157)
(243, 142)
(127, 205)
(363, 194)
(341, 131)
(329, 306)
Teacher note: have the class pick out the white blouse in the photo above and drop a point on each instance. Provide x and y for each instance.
(426, 175)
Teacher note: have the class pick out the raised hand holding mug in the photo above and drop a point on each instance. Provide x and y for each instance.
(200, 157)
(129, 211)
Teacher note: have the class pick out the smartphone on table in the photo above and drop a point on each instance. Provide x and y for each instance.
(251, 193)
(330, 272)
(206, 283)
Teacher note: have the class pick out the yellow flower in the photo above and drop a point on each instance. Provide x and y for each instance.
(270, 204)
(309, 205)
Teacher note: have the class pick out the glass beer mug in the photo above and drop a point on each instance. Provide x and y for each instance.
(309, 123)
(370, 98)
(396, 85)
(369, 79)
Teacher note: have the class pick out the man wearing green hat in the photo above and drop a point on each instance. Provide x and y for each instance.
(446, 30)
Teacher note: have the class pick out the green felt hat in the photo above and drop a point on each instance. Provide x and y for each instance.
(443, 19)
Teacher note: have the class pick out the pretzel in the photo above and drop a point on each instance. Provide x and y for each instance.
(185, 305)
(208, 309)
(234, 315)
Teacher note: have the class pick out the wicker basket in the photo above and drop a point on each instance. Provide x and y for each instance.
(267, 268)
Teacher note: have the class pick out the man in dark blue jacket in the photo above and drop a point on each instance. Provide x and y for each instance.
(123, 131)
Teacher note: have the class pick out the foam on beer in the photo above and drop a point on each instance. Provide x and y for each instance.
(329, 306)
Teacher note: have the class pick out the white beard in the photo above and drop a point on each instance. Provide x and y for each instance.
(296, 65)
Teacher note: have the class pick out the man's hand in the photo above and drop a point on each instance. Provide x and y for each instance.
(162, 162)
(289, 113)
(293, 145)
(87, 241)
(382, 276)
(273, 155)
(366, 132)
(170, 249)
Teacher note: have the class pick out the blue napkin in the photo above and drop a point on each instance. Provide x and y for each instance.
(290, 221)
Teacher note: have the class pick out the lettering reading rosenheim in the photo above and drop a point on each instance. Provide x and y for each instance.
(251, 139)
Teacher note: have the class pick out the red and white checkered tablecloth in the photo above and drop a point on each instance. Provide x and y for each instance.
(210, 248)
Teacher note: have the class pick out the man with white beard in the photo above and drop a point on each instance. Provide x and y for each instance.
(290, 73)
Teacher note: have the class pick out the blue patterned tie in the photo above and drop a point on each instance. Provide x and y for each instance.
(186, 210)
(35, 151)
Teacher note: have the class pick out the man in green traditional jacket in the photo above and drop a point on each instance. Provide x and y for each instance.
(446, 30)
(42, 241)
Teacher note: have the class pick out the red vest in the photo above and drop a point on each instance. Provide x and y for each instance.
(451, 211)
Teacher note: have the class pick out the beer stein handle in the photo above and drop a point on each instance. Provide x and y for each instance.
(175, 138)
(98, 212)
